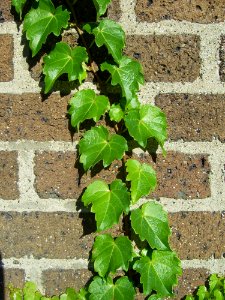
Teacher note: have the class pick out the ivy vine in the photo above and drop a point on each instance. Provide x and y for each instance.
(144, 248)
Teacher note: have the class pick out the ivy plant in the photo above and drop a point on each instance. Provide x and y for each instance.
(141, 253)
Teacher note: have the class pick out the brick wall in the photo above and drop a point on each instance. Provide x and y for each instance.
(43, 237)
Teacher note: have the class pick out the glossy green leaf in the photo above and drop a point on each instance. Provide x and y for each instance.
(101, 6)
(148, 121)
(106, 289)
(108, 202)
(40, 22)
(19, 4)
(85, 105)
(128, 75)
(142, 178)
(111, 254)
(116, 113)
(202, 292)
(64, 60)
(159, 272)
(97, 144)
(150, 222)
(111, 35)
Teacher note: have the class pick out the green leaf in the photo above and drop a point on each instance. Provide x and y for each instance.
(19, 4)
(85, 105)
(101, 6)
(108, 202)
(202, 292)
(116, 113)
(105, 289)
(30, 292)
(150, 222)
(142, 177)
(15, 293)
(110, 254)
(40, 22)
(64, 60)
(128, 75)
(97, 144)
(159, 273)
(148, 121)
(110, 34)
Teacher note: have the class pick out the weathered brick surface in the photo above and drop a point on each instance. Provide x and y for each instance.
(5, 14)
(114, 11)
(166, 58)
(194, 11)
(30, 117)
(179, 175)
(8, 175)
(16, 277)
(49, 235)
(55, 282)
(194, 117)
(6, 61)
(222, 59)
(198, 235)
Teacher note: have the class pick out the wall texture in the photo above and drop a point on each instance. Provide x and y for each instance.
(43, 237)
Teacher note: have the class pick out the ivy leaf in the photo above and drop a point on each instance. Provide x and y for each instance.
(145, 122)
(40, 22)
(19, 4)
(30, 291)
(105, 289)
(108, 202)
(142, 177)
(150, 222)
(97, 144)
(85, 105)
(110, 254)
(159, 272)
(64, 60)
(101, 6)
(110, 34)
(128, 75)
(202, 292)
(116, 113)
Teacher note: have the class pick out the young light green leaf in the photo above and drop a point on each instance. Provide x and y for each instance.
(116, 113)
(40, 22)
(128, 75)
(15, 293)
(159, 272)
(150, 222)
(105, 289)
(142, 177)
(64, 60)
(148, 121)
(30, 291)
(110, 34)
(110, 254)
(85, 105)
(97, 144)
(108, 202)
(19, 4)
(101, 6)
(202, 293)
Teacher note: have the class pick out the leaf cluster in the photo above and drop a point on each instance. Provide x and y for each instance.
(143, 249)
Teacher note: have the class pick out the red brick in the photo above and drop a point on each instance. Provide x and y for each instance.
(198, 235)
(16, 277)
(55, 282)
(6, 61)
(194, 11)
(166, 58)
(8, 175)
(194, 117)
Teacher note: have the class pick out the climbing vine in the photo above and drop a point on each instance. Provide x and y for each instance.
(142, 252)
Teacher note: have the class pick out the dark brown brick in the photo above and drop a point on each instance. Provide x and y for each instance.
(5, 14)
(8, 175)
(222, 59)
(30, 117)
(16, 277)
(49, 235)
(198, 235)
(194, 117)
(55, 282)
(166, 58)
(179, 175)
(194, 11)
(6, 61)
(114, 11)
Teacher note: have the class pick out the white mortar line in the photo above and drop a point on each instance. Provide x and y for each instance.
(213, 265)
(29, 145)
